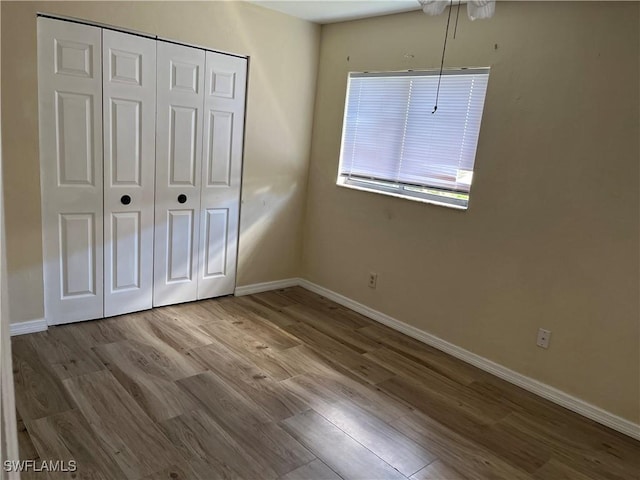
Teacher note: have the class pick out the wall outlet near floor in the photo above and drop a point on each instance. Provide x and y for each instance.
(544, 336)
(373, 279)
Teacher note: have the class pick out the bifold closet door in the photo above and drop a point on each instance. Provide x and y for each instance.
(141, 153)
(224, 102)
(180, 81)
(129, 106)
(70, 122)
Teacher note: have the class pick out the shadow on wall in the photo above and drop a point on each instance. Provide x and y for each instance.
(274, 172)
(266, 207)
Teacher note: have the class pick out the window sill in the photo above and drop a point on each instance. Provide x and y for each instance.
(342, 183)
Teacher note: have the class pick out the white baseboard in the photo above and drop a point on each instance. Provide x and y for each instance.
(30, 326)
(541, 389)
(266, 286)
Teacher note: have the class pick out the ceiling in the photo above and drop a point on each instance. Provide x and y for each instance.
(330, 11)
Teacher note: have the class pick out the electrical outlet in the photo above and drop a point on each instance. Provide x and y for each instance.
(373, 280)
(544, 336)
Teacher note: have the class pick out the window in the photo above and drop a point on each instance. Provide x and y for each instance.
(392, 142)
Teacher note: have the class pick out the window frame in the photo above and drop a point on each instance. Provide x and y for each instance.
(420, 193)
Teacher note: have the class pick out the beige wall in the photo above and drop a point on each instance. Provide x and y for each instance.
(551, 235)
(284, 56)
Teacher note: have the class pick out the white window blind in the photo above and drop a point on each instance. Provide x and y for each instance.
(393, 143)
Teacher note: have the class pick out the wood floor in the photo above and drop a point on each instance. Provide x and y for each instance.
(286, 385)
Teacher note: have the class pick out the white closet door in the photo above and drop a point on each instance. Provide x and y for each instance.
(180, 76)
(129, 106)
(225, 86)
(70, 103)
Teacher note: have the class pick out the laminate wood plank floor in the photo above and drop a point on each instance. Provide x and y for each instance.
(286, 385)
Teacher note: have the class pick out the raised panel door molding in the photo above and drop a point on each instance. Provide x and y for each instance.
(216, 230)
(183, 138)
(180, 244)
(73, 58)
(126, 251)
(223, 84)
(125, 67)
(126, 141)
(77, 254)
(185, 76)
(74, 138)
(220, 139)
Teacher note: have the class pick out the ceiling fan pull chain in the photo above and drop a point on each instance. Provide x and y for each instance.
(444, 49)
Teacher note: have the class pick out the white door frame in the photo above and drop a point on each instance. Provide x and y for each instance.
(8, 424)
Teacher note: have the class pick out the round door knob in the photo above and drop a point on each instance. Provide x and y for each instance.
(125, 199)
(182, 198)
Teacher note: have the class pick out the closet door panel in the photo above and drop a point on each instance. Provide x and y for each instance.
(70, 123)
(77, 254)
(180, 76)
(179, 251)
(225, 88)
(129, 105)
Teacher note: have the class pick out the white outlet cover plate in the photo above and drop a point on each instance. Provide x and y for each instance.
(544, 336)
